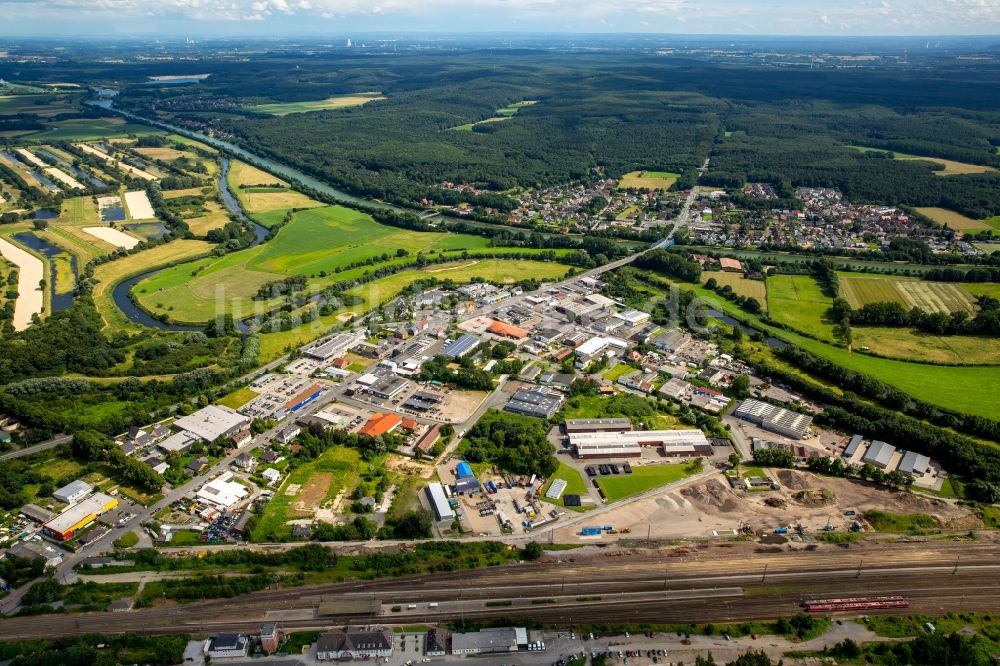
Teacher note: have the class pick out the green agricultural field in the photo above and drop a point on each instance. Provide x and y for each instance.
(648, 180)
(917, 346)
(642, 478)
(575, 485)
(335, 102)
(90, 129)
(798, 301)
(958, 222)
(967, 390)
(41, 104)
(929, 296)
(317, 241)
(739, 284)
(983, 288)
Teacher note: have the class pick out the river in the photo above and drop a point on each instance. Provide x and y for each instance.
(122, 291)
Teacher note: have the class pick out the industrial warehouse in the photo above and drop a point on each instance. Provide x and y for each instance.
(617, 444)
(776, 419)
(78, 516)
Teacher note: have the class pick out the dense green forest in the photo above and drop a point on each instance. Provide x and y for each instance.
(609, 114)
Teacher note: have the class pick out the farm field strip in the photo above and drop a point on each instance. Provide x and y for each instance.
(30, 157)
(115, 162)
(912, 345)
(951, 167)
(113, 236)
(798, 301)
(739, 284)
(957, 221)
(929, 296)
(335, 102)
(63, 177)
(138, 206)
(31, 270)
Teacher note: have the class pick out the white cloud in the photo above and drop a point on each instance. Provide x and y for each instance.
(733, 16)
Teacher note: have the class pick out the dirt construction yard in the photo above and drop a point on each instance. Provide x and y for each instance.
(709, 507)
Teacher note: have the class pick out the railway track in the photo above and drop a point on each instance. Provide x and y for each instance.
(616, 592)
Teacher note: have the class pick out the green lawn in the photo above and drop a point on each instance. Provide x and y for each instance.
(899, 523)
(642, 478)
(618, 371)
(798, 301)
(575, 485)
(238, 398)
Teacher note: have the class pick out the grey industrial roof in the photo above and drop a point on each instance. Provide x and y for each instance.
(461, 346)
(72, 488)
(534, 403)
(879, 452)
(852, 446)
(914, 463)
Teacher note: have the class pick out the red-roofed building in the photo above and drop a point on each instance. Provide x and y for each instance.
(507, 330)
(341, 363)
(409, 424)
(733, 265)
(380, 424)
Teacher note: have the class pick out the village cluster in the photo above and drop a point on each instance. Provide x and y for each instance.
(827, 221)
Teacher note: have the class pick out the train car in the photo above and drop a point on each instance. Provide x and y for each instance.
(845, 604)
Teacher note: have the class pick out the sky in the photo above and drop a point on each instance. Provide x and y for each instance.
(341, 17)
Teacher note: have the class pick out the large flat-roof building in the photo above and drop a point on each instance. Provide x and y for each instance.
(538, 402)
(223, 492)
(773, 418)
(574, 426)
(438, 500)
(226, 645)
(333, 347)
(388, 387)
(674, 443)
(73, 492)
(485, 641)
(78, 516)
(853, 445)
(213, 422)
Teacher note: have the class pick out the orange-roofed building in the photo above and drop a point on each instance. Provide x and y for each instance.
(409, 424)
(731, 264)
(507, 331)
(380, 424)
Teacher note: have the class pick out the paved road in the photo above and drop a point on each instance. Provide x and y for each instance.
(44, 446)
(65, 571)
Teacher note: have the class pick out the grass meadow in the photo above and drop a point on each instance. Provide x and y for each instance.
(739, 284)
(642, 478)
(798, 301)
(575, 485)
